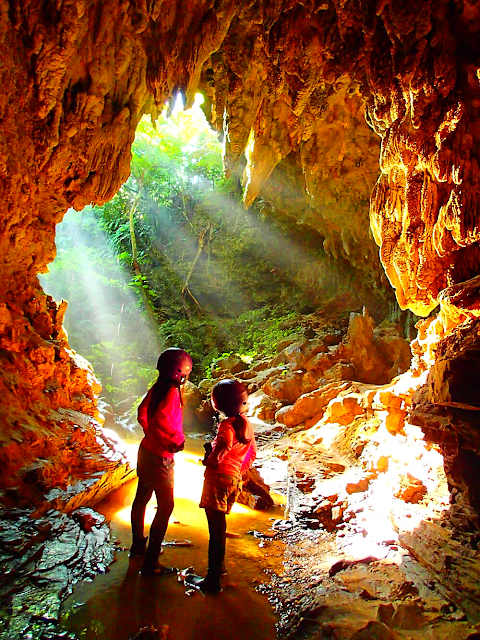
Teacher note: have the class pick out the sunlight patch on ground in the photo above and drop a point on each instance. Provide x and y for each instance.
(392, 485)
(188, 487)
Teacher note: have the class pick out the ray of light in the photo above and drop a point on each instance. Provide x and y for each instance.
(98, 290)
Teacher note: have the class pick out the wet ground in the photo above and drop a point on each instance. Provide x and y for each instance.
(116, 605)
(352, 561)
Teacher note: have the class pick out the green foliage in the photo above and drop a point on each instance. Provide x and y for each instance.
(253, 334)
(104, 319)
(260, 330)
(200, 252)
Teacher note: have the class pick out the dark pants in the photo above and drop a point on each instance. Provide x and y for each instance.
(155, 474)
(217, 528)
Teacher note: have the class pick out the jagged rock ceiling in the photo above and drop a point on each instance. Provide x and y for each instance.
(282, 78)
(320, 90)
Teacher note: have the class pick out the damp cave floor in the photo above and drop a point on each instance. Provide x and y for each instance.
(116, 605)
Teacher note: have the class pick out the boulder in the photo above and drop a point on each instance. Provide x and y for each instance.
(283, 414)
(229, 366)
(359, 349)
(331, 339)
(310, 404)
(377, 355)
(262, 406)
(320, 361)
(205, 386)
(204, 414)
(255, 493)
(344, 409)
(191, 394)
(283, 344)
(290, 386)
(393, 348)
(408, 615)
(192, 397)
(299, 353)
(340, 371)
(261, 377)
(261, 365)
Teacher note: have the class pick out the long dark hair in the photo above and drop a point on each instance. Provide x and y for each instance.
(240, 425)
(159, 390)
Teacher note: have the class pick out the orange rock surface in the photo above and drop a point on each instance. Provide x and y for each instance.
(329, 88)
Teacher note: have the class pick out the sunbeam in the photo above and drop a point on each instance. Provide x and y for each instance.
(103, 309)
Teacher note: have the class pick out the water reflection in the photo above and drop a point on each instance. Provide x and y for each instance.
(116, 605)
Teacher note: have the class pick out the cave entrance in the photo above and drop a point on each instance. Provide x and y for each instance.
(175, 259)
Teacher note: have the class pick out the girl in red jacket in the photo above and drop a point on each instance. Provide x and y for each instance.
(233, 451)
(160, 414)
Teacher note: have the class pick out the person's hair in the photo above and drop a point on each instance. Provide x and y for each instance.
(159, 390)
(240, 424)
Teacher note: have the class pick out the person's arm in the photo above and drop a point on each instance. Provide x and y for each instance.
(222, 444)
(142, 412)
(249, 457)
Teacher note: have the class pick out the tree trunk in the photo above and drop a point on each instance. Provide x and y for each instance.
(152, 318)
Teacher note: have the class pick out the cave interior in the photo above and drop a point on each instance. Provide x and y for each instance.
(359, 119)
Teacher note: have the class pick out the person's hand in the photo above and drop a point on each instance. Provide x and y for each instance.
(208, 450)
(175, 448)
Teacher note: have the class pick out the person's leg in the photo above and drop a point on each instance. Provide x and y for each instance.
(217, 497)
(163, 487)
(143, 495)
(217, 527)
(159, 528)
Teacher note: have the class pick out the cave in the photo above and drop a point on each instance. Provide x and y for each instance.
(359, 120)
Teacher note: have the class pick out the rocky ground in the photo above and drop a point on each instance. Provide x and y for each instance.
(376, 541)
(362, 562)
(41, 558)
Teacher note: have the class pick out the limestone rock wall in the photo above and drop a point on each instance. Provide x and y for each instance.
(286, 82)
(415, 68)
(425, 106)
(447, 407)
(69, 106)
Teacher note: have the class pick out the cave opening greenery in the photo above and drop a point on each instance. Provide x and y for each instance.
(174, 259)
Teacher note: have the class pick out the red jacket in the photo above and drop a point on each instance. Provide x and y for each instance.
(229, 456)
(164, 429)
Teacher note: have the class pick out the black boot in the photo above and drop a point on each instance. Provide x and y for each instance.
(207, 585)
(137, 550)
(151, 565)
(156, 569)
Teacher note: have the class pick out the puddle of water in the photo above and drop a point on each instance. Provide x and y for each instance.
(116, 605)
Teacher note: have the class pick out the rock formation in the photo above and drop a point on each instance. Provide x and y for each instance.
(312, 93)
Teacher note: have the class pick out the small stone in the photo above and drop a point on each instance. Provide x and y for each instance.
(408, 615)
(357, 487)
(385, 613)
(458, 616)
(375, 630)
